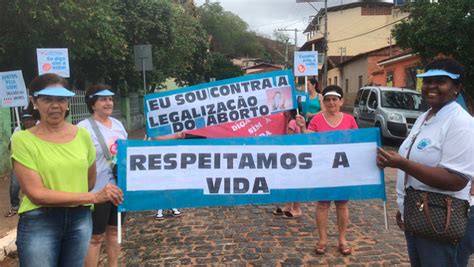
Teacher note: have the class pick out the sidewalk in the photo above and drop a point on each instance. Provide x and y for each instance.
(7, 225)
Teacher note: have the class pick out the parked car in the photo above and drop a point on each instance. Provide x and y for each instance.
(393, 110)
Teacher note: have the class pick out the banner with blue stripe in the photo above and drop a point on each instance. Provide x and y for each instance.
(337, 165)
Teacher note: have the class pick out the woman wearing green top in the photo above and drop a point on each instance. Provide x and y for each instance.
(55, 165)
(315, 99)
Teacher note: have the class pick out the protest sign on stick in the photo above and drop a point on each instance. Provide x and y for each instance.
(12, 89)
(53, 60)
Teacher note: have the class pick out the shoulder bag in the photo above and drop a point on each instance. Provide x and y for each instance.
(434, 215)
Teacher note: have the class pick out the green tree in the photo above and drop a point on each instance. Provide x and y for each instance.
(179, 44)
(229, 33)
(221, 67)
(91, 30)
(100, 36)
(445, 27)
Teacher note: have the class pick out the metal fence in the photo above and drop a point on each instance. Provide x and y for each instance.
(134, 104)
(117, 113)
(78, 108)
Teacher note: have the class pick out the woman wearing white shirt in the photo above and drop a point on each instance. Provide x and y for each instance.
(441, 159)
(99, 100)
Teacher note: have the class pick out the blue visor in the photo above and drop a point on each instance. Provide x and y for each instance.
(54, 91)
(432, 73)
(103, 93)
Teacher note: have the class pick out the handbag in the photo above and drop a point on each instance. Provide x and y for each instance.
(434, 215)
(103, 146)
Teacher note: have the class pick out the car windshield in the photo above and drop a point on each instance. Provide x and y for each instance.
(403, 100)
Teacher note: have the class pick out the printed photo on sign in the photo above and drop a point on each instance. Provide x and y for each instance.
(280, 99)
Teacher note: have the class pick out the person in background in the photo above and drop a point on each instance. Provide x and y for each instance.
(54, 162)
(104, 131)
(315, 102)
(441, 160)
(27, 122)
(290, 210)
(331, 119)
(174, 212)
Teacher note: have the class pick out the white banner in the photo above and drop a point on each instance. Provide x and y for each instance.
(257, 167)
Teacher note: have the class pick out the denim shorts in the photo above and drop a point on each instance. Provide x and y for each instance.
(55, 236)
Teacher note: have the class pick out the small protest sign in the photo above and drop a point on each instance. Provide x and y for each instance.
(53, 60)
(13, 89)
(306, 63)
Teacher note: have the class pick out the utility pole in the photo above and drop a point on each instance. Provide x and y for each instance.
(325, 43)
(296, 35)
(343, 52)
(286, 54)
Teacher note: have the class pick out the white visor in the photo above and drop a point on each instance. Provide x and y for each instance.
(333, 93)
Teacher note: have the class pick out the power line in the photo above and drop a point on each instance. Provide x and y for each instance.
(273, 23)
(376, 29)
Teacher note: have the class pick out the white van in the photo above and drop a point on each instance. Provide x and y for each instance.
(393, 110)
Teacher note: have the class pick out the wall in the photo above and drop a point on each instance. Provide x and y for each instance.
(398, 69)
(332, 73)
(352, 71)
(349, 23)
(5, 133)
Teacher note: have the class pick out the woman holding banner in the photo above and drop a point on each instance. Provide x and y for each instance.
(435, 161)
(315, 103)
(54, 162)
(331, 119)
(104, 131)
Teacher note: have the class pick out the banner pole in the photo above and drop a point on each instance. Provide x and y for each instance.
(385, 214)
(306, 84)
(119, 227)
(17, 116)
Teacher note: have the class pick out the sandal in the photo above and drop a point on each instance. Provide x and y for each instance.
(12, 212)
(290, 215)
(345, 249)
(175, 212)
(278, 212)
(320, 249)
(159, 216)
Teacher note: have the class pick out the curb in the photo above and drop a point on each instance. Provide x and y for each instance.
(7, 244)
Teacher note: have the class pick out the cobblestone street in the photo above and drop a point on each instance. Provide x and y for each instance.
(252, 235)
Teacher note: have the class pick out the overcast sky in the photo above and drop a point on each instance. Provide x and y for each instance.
(265, 16)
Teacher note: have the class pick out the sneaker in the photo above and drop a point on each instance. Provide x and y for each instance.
(159, 215)
(11, 212)
(175, 212)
